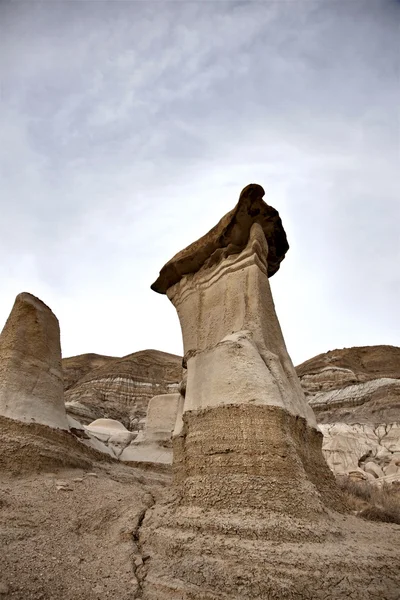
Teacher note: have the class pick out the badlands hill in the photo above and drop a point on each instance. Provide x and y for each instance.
(351, 385)
(355, 394)
(354, 385)
(99, 386)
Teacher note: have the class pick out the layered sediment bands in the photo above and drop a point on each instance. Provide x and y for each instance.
(31, 383)
(229, 236)
(349, 365)
(249, 518)
(355, 393)
(263, 457)
(76, 367)
(354, 385)
(191, 562)
(121, 388)
(254, 512)
(27, 448)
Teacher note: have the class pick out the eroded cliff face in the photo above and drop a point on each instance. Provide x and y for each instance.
(76, 367)
(355, 394)
(118, 388)
(354, 385)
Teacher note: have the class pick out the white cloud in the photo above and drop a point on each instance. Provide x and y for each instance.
(128, 132)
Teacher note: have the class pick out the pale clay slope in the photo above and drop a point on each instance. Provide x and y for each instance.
(153, 444)
(356, 395)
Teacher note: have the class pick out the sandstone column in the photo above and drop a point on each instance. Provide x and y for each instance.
(31, 381)
(247, 437)
(251, 515)
(153, 444)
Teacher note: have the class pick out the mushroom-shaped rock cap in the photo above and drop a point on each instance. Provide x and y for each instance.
(232, 234)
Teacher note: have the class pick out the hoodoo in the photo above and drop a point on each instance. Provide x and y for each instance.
(248, 437)
(255, 510)
(31, 381)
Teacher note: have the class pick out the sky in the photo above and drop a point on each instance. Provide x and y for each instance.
(129, 128)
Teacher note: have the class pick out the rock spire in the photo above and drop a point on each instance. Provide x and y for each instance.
(255, 509)
(31, 382)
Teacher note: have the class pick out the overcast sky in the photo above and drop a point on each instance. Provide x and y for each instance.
(128, 129)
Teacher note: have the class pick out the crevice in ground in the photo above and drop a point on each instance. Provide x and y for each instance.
(140, 556)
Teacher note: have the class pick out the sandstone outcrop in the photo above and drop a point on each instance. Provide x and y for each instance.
(118, 388)
(31, 382)
(108, 435)
(355, 393)
(254, 509)
(153, 443)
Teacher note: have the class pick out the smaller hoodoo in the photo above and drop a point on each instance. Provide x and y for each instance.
(31, 381)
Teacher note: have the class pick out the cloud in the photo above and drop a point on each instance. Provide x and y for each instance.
(130, 128)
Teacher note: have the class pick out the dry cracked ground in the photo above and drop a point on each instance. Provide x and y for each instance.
(68, 519)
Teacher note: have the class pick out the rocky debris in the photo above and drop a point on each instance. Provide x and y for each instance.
(31, 383)
(374, 449)
(63, 486)
(153, 443)
(254, 507)
(120, 388)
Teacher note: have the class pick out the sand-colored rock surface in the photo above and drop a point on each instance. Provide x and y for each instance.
(69, 517)
(229, 236)
(350, 448)
(154, 442)
(110, 433)
(254, 512)
(119, 388)
(31, 382)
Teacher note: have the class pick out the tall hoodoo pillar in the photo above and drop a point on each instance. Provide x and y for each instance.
(247, 437)
(31, 380)
(250, 515)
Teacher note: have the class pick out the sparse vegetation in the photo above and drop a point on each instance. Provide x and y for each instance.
(370, 501)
